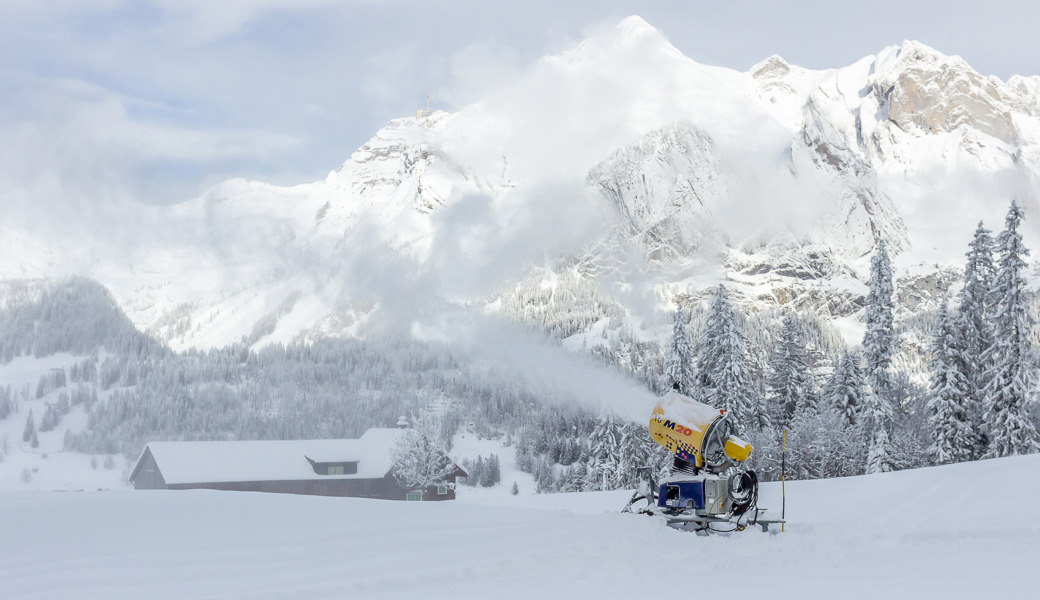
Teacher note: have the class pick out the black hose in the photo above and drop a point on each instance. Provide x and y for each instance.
(743, 491)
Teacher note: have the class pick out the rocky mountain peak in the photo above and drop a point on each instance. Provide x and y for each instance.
(771, 68)
(927, 92)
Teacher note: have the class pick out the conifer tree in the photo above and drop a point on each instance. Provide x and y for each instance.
(1009, 381)
(976, 330)
(879, 339)
(492, 472)
(420, 456)
(878, 345)
(30, 428)
(723, 375)
(476, 472)
(790, 386)
(948, 390)
(879, 452)
(606, 459)
(843, 391)
(680, 362)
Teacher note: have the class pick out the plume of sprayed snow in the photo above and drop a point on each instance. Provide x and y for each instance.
(547, 370)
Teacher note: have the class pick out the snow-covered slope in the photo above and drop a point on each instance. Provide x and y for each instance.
(959, 531)
(620, 157)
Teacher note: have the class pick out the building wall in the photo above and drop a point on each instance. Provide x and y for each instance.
(385, 488)
(146, 475)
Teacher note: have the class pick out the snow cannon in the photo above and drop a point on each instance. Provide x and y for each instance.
(706, 492)
(697, 433)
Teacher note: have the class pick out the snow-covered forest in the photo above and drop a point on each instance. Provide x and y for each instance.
(845, 410)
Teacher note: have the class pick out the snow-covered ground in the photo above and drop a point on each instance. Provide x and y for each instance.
(962, 531)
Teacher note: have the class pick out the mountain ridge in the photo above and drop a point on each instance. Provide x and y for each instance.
(626, 160)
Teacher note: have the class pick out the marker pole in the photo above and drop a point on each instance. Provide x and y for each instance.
(783, 478)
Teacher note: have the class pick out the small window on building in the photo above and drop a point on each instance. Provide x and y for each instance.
(333, 468)
(414, 497)
(442, 490)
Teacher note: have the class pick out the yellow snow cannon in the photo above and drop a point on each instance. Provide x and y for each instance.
(707, 491)
(697, 433)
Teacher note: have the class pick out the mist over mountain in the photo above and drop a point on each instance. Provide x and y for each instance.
(620, 166)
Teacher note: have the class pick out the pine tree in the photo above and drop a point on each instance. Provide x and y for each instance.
(878, 345)
(1009, 381)
(948, 390)
(606, 460)
(723, 376)
(492, 473)
(879, 452)
(976, 330)
(879, 339)
(30, 428)
(476, 472)
(790, 386)
(843, 391)
(679, 366)
(420, 456)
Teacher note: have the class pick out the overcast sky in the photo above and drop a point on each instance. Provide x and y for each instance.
(154, 100)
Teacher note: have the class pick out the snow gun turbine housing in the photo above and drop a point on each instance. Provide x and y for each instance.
(697, 434)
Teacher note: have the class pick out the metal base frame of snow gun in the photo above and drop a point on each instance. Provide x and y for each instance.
(702, 504)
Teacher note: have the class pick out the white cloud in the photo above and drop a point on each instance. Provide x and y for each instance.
(77, 149)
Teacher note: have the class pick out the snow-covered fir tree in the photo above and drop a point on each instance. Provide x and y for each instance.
(606, 459)
(843, 391)
(30, 427)
(876, 423)
(879, 452)
(952, 431)
(723, 375)
(492, 472)
(420, 456)
(878, 345)
(879, 338)
(1008, 380)
(976, 329)
(680, 363)
(789, 384)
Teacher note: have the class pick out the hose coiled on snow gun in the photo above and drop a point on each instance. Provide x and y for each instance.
(743, 491)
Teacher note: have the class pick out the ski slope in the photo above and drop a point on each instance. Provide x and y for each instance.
(961, 531)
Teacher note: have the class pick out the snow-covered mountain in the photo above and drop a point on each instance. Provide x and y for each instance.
(621, 160)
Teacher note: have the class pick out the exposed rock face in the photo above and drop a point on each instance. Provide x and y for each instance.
(860, 215)
(661, 187)
(927, 92)
(773, 76)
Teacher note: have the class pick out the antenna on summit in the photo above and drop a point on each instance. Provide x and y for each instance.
(419, 114)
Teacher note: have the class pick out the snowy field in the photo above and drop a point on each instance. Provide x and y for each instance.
(962, 531)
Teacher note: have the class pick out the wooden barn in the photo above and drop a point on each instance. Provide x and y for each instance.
(357, 468)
